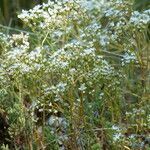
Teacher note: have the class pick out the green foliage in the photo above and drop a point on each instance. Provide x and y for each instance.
(79, 79)
(96, 146)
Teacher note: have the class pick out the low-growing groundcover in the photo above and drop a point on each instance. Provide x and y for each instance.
(78, 79)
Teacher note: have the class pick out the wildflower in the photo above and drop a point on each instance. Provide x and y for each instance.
(61, 86)
(82, 87)
(128, 57)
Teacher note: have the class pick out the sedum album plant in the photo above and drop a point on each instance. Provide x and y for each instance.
(79, 79)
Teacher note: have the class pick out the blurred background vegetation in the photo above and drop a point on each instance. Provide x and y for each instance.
(10, 8)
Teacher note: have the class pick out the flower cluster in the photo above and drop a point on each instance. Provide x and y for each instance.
(50, 13)
(68, 67)
(128, 58)
(140, 19)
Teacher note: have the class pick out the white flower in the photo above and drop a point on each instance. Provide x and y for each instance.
(35, 53)
(104, 40)
(128, 57)
(24, 15)
(117, 136)
(140, 18)
(61, 86)
(101, 95)
(25, 68)
(89, 51)
(116, 128)
(82, 87)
